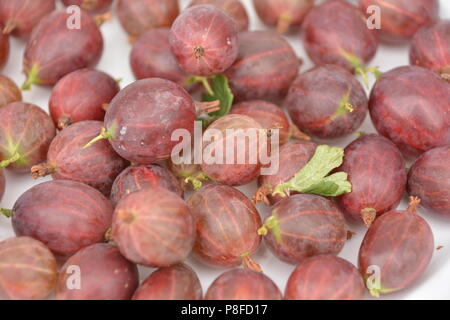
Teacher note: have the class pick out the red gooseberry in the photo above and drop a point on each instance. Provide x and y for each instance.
(26, 132)
(97, 166)
(82, 95)
(138, 177)
(64, 215)
(153, 227)
(178, 282)
(104, 274)
(28, 269)
(243, 284)
(204, 40)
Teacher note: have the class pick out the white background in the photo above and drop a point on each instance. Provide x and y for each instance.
(435, 284)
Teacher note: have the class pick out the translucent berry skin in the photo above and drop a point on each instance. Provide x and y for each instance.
(64, 215)
(29, 270)
(97, 166)
(138, 16)
(152, 57)
(302, 152)
(376, 169)
(27, 130)
(135, 178)
(153, 227)
(178, 282)
(144, 110)
(9, 92)
(265, 67)
(243, 284)
(234, 8)
(19, 17)
(233, 174)
(4, 49)
(401, 244)
(429, 179)
(430, 48)
(2, 184)
(81, 95)
(91, 6)
(104, 275)
(309, 225)
(315, 102)
(227, 224)
(267, 114)
(401, 19)
(204, 40)
(417, 97)
(344, 32)
(312, 280)
(52, 41)
(284, 14)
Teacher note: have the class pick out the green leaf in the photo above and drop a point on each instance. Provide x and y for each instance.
(335, 184)
(314, 177)
(217, 88)
(220, 91)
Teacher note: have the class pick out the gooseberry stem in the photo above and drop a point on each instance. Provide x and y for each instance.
(6, 212)
(5, 163)
(32, 78)
(104, 134)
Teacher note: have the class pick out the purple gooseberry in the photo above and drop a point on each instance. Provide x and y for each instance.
(9, 92)
(269, 116)
(26, 132)
(82, 95)
(153, 227)
(144, 110)
(325, 278)
(327, 102)
(243, 284)
(302, 226)
(92, 6)
(19, 17)
(138, 177)
(152, 57)
(429, 179)
(64, 215)
(28, 269)
(234, 172)
(104, 275)
(97, 166)
(227, 224)
(283, 14)
(336, 32)
(400, 245)
(4, 49)
(55, 50)
(139, 16)
(410, 106)
(265, 67)
(377, 172)
(234, 8)
(204, 40)
(430, 48)
(178, 282)
(400, 19)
